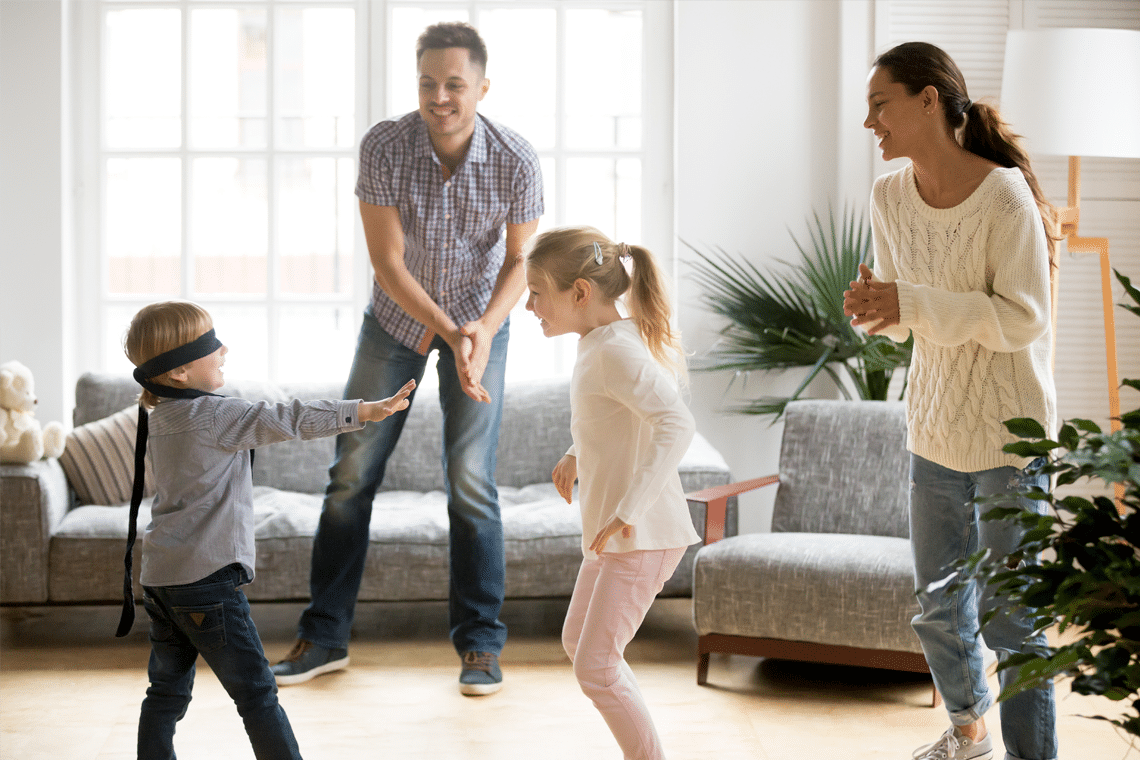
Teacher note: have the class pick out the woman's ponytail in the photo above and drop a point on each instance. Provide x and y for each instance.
(986, 134)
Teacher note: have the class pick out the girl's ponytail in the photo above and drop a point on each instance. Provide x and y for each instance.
(650, 310)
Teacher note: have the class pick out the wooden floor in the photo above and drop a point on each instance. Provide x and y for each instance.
(69, 690)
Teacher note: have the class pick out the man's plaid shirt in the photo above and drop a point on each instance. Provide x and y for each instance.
(454, 230)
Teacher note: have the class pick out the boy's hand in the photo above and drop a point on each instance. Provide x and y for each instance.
(564, 475)
(607, 532)
(374, 411)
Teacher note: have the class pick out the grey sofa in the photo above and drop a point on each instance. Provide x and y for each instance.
(834, 580)
(56, 550)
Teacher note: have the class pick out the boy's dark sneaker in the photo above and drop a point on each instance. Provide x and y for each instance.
(307, 661)
(480, 674)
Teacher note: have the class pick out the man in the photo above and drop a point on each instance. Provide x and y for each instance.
(437, 187)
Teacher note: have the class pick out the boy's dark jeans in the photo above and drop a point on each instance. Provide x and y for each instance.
(209, 617)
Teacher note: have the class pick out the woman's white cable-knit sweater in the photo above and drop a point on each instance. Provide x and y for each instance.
(973, 285)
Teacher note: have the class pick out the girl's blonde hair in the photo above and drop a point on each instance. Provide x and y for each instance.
(162, 327)
(566, 254)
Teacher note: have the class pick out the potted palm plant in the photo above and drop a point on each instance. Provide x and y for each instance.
(793, 316)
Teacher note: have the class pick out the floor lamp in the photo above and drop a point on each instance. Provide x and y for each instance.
(1076, 92)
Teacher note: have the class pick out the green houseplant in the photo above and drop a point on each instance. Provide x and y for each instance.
(1088, 579)
(793, 316)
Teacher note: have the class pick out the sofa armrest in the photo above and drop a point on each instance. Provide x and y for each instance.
(716, 498)
(33, 500)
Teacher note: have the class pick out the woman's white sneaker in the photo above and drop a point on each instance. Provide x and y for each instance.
(954, 745)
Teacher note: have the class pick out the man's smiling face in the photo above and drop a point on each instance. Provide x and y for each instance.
(450, 88)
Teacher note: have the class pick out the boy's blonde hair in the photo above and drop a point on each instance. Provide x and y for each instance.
(162, 327)
(565, 254)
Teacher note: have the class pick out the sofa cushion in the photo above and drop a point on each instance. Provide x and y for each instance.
(844, 468)
(99, 459)
(846, 590)
(407, 555)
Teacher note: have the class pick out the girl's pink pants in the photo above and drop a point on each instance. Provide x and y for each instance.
(611, 596)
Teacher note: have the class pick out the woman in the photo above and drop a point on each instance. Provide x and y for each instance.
(962, 252)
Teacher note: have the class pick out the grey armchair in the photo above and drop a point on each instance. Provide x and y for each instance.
(834, 580)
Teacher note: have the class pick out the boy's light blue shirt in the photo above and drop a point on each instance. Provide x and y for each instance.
(202, 516)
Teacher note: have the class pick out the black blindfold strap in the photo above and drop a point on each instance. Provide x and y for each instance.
(127, 617)
(204, 345)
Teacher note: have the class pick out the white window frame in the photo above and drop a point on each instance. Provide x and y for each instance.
(658, 217)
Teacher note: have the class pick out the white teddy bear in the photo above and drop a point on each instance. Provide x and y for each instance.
(22, 440)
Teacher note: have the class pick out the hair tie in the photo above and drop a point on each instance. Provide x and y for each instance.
(966, 107)
(623, 250)
(597, 253)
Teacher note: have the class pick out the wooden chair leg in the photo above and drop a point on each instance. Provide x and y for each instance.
(937, 698)
(702, 668)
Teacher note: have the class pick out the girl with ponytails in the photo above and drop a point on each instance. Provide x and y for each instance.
(630, 427)
(963, 240)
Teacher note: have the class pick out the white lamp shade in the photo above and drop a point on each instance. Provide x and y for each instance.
(1074, 92)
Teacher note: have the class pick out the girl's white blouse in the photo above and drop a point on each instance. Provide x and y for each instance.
(630, 428)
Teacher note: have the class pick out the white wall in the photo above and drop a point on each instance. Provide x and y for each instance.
(35, 283)
(764, 116)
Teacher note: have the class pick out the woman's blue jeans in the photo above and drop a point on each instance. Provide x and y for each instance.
(945, 526)
(470, 445)
(209, 617)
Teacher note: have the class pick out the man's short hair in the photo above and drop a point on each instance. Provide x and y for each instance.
(453, 34)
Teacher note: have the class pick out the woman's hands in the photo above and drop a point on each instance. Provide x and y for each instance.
(869, 300)
(374, 411)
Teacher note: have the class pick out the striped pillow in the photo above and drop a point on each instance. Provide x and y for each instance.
(99, 459)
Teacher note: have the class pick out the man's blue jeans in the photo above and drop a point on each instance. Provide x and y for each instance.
(945, 527)
(470, 446)
(209, 617)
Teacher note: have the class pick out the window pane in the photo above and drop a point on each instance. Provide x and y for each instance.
(407, 25)
(627, 199)
(245, 332)
(315, 224)
(144, 225)
(316, 342)
(143, 79)
(549, 192)
(603, 79)
(316, 53)
(521, 45)
(229, 221)
(605, 193)
(117, 318)
(228, 79)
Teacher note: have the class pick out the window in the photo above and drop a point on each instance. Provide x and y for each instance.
(568, 77)
(225, 140)
(221, 142)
